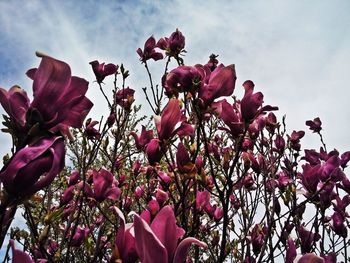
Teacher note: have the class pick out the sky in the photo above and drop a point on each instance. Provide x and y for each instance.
(296, 52)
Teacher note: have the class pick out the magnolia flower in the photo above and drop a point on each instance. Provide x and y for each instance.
(172, 45)
(16, 103)
(59, 99)
(143, 139)
(105, 185)
(184, 79)
(124, 241)
(172, 116)
(34, 167)
(124, 98)
(101, 70)
(231, 117)
(314, 125)
(291, 252)
(309, 258)
(183, 161)
(148, 51)
(251, 104)
(158, 242)
(220, 82)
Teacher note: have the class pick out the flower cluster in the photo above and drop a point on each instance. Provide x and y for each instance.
(209, 168)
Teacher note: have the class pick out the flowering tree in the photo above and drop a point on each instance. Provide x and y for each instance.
(210, 170)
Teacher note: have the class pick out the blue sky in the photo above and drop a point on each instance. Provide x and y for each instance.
(296, 52)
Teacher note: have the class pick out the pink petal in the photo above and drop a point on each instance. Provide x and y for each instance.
(148, 246)
(170, 117)
(165, 228)
(183, 248)
(19, 256)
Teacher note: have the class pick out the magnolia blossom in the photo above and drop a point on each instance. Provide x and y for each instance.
(251, 104)
(101, 70)
(170, 118)
(105, 185)
(148, 51)
(34, 167)
(172, 45)
(59, 99)
(16, 103)
(158, 242)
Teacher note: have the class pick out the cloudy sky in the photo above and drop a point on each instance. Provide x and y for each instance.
(296, 52)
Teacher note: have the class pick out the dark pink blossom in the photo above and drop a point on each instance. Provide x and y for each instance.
(34, 167)
(221, 82)
(183, 161)
(145, 137)
(101, 70)
(148, 51)
(202, 199)
(79, 236)
(257, 236)
(344, 159)
(310, 258)
(291, 253)
(105, 185)
(170, 118)
(124, 98)
(184, 79)
(90, 130)
(307, 239)
(125, 240)
(339, 224)
(251, 104)
(314, 125)
(153, 151)
(231, 117)
(16, 103)
(172, 45)
(158, 242)
(59, 99)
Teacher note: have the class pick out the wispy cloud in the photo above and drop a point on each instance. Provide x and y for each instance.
(297, 53)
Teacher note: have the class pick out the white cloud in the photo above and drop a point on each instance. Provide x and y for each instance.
(297, 53)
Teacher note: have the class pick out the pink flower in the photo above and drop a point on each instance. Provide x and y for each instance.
(183, 161)
(171, 116)
(101, 70)
(79, 236)
(220, 82)
(124, 98)
(184, 79)
(315, 125)
(145, 137)
(105, 185)
(16, 103)
(90, 130)
(125, 240)
(310, 258)
(231, 117)
(153, 152)
(148, 51)
(34, 167)
(291, 251)
(172, 45)
(202, 199)
(59, 99)
(251, 104)
(157, 243)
